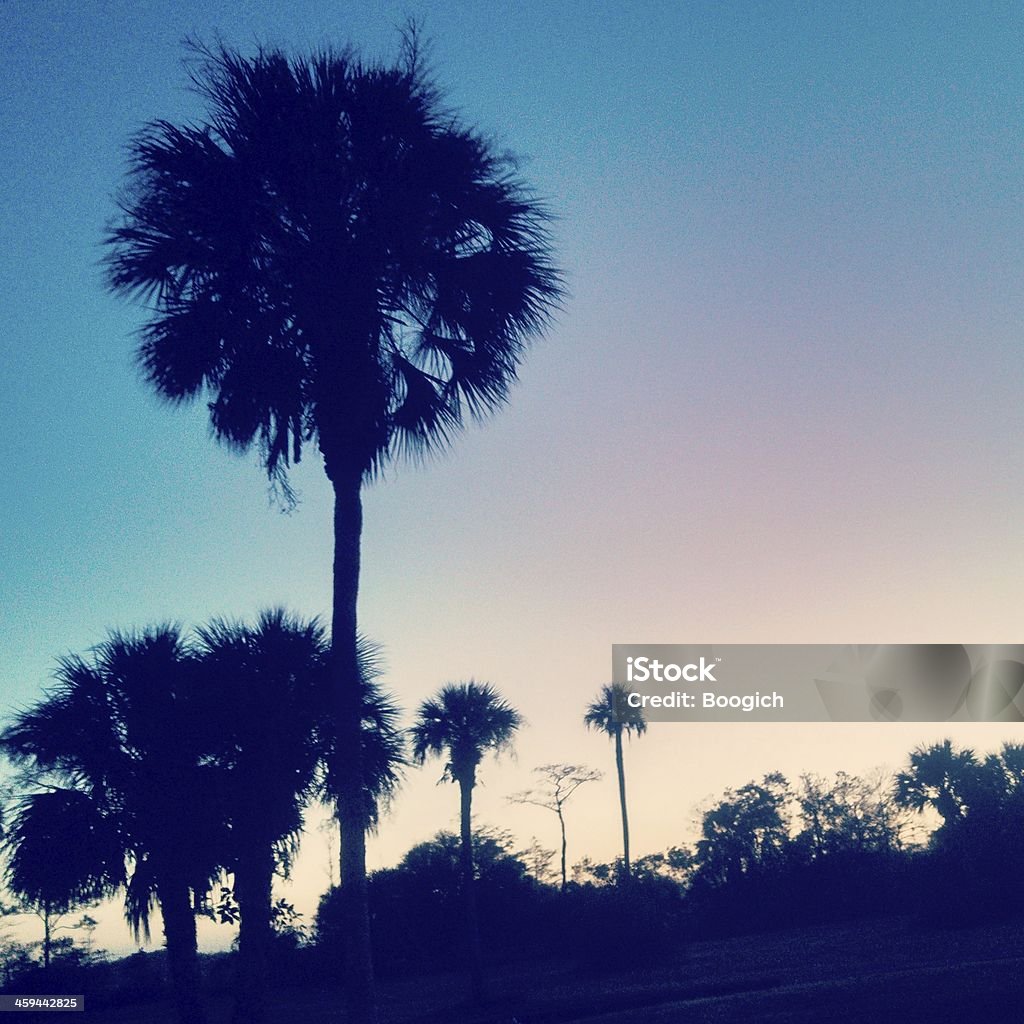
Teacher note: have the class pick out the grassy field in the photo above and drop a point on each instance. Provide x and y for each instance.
(873, 972)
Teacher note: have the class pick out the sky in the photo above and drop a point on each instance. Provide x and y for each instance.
(782, 403)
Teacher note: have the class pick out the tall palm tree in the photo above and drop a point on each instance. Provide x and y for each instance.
(612, 715)
(110, 752)
(331, 257)
(462, 723)
(272, 733)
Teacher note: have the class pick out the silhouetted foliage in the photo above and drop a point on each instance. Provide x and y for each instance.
(558, 783)
(745, 832)
(612, 926)
(463, 723)
(939, 777)
(612, 715)
(423, 896)
(771, 857)
(115, 743)
(847, 815)
(968, 870)
(331, 257)
(166, 760)
(47, 882)
(271, 734)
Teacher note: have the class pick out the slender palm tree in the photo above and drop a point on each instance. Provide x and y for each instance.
(612, 715)
(462, 723)
(331, 257)
(110, 751)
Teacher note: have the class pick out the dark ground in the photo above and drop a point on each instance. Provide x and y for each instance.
(869, 972)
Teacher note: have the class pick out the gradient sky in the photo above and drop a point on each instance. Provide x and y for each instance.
(783, 403)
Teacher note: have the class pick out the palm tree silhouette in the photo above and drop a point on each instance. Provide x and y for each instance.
(941, 777)
(383, 752)
(118, 778)
(612, 715)
(273, 737)
(331, 257)
(462, 723)
(50, 883)
(266, 690)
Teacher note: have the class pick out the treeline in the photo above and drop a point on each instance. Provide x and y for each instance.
(770, 854)
(935, 842)
(175, 768)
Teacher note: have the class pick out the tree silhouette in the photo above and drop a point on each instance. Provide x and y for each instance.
(383, 750)
(331, 257)
(267, 689)
(612, 715)
(848, 814)
(559, 782)
(271, 733)
(462, 723)
(41, 875)
(941, 777)
(747, 829)
(117, 776)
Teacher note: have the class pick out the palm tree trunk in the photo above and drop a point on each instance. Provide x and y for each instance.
(253, 882)
(561, 822)
(621, 769)
(476, 966)
(180, 937)
(348, 525)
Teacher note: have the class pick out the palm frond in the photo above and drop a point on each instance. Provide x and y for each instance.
(612, 714)
(62, 850)
(463, 722)
(330, 255)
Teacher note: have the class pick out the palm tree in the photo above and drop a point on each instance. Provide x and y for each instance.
(266, 689)
(612, 715)
(330, 256)
(383, 751)
(272, 735)
(110, 758)
(462, 723)
(941, 777)
(44, 826)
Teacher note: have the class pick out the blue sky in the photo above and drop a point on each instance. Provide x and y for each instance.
(782, 403)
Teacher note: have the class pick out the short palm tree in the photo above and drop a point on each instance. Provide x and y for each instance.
(43, 828)
(110, 752)
(271, 733)
(266, 692)
(331, 257)
(612, 715)
(462, 723)
(941, 777)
